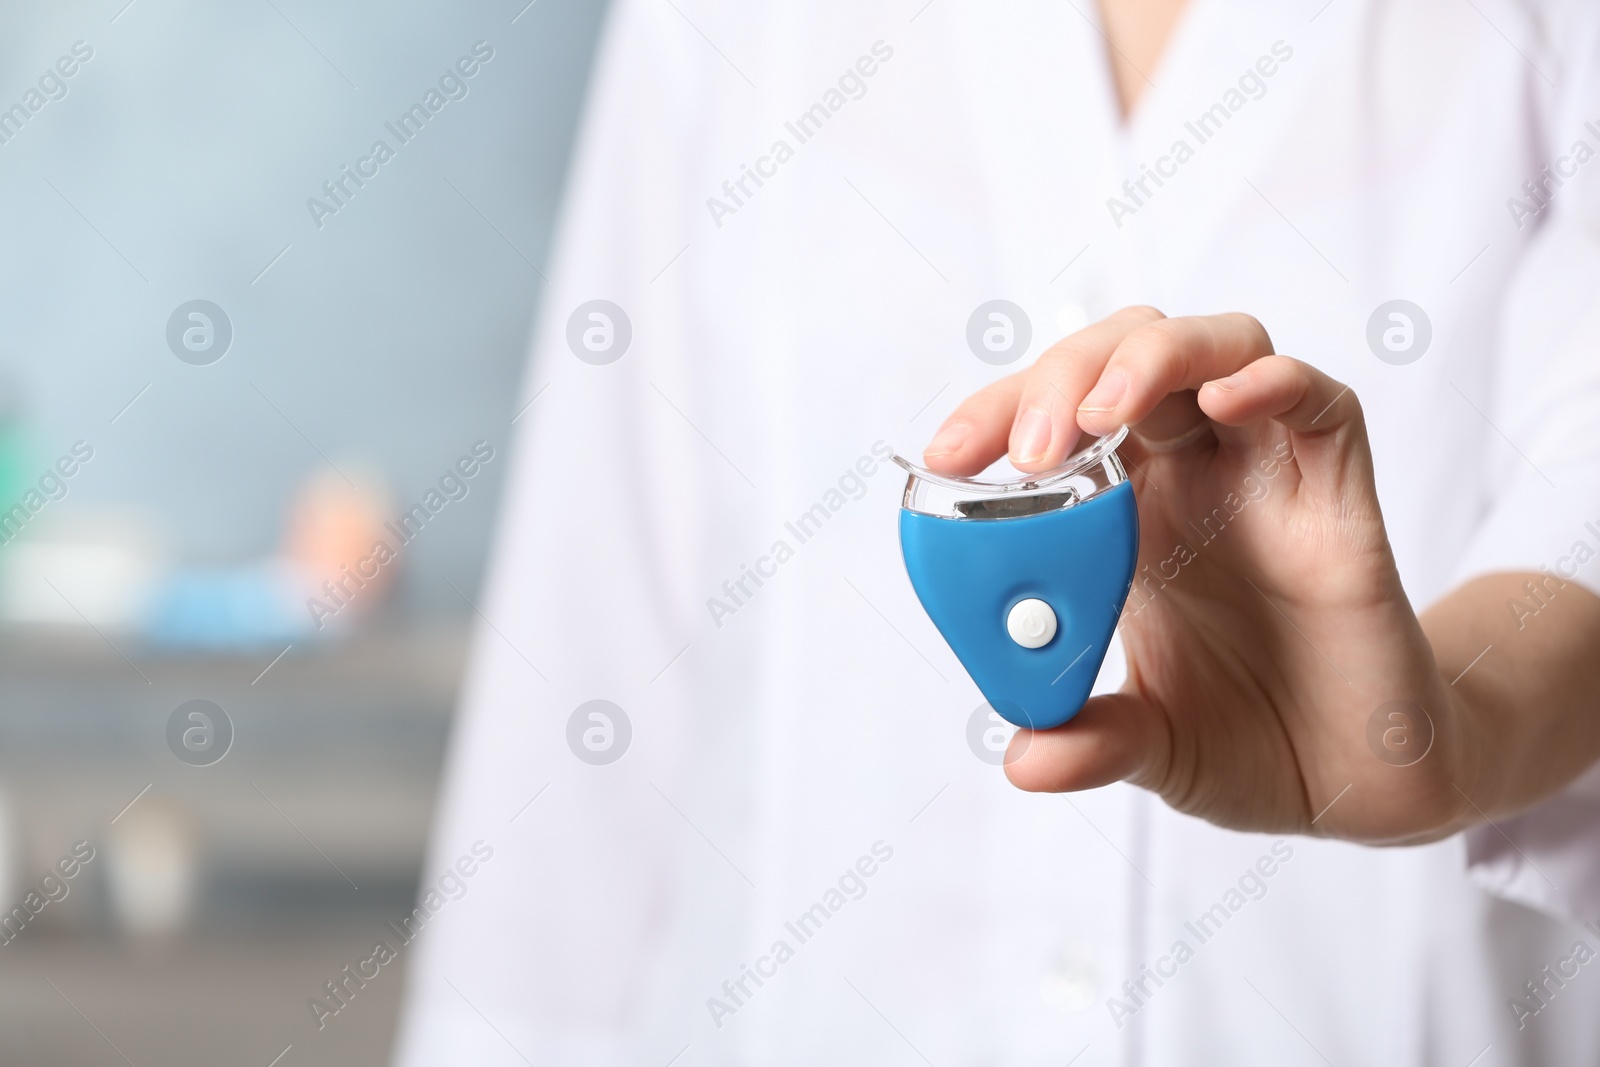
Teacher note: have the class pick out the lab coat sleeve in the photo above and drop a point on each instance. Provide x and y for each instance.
(1543, 409)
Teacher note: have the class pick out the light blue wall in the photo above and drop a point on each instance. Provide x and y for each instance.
(392, 337)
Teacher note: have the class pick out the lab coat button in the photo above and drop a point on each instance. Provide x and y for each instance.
(1073, 984)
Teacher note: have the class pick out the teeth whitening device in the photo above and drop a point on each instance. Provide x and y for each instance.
(1025, 578)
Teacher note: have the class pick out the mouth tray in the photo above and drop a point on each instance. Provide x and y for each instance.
(1083, 476)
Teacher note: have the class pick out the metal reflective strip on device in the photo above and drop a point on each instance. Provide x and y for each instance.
(1016, 506)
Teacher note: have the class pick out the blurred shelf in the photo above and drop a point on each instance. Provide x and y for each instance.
(424, 660)
(330, 780)
(195, 1002)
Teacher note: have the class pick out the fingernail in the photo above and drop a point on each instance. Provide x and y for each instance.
(949, 439)
(1030, 438)
(1106, 393)
(1228, 384)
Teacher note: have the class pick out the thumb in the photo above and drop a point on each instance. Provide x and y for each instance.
(1115, 737)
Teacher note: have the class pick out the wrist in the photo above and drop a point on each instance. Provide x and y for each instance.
(1446, 789)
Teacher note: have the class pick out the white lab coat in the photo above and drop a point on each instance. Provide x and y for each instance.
(774, 346)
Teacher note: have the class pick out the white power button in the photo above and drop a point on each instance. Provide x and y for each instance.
(1031, 623)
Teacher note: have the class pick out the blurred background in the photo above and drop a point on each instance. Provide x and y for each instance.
(239, 347)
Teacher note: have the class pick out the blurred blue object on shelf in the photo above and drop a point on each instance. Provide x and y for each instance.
(229, 608)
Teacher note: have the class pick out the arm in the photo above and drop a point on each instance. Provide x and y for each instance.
(1532, 696)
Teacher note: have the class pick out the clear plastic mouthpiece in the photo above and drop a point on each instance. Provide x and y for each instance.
(1084, 475)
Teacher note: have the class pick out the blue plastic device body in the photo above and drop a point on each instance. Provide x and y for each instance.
(969, 573)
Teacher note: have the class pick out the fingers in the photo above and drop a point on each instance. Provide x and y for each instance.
(1144, 370)
(1165, 357)
(1115, 737)
(1330, 439)
(1046, 429)
(1277, 387)
(1031, 413)
(974, 435)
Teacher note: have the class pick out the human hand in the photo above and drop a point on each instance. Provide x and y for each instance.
(1267, 623)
